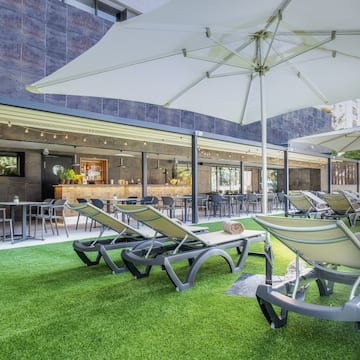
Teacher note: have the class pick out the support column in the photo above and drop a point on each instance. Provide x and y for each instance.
(194, 179)
(242, 168)
(329, 173)
(286, 180)
(144, 171)
(357, 176)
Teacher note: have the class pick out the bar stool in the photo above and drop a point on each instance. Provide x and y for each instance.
(3, 221)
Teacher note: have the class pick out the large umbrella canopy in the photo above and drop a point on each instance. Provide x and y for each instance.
(214, 57)
(340, 140)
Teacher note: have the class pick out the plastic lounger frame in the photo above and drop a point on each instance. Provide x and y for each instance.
(301, 236)
(126, 237)
(183, 244)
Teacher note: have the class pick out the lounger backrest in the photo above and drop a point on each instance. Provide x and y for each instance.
(93, 212)
(315, 240)
(301, 202)
(339, 203)
(157, 221)
(315, 199)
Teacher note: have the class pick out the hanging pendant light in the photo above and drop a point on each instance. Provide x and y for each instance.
(121, 161)
(158, 167)
(75, 158)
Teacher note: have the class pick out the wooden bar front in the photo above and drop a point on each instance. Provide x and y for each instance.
(108, 191)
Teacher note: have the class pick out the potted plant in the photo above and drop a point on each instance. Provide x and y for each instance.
(70, 176)
(61, 175)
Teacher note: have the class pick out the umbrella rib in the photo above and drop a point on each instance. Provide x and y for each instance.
(232, 52)
(35, 88)
(323, 143)
(275, 15)
(243, 112)
(317, 32)
(208, 73)
(298, 73)
(347, 145)
(233, 73)
(214, 61)
(273, 37)
(316, 46)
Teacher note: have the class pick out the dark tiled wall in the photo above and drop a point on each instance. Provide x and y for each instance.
(39, 36)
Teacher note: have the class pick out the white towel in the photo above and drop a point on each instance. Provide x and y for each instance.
(233, 227)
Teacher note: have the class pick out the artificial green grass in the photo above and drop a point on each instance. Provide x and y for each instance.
(53, 307)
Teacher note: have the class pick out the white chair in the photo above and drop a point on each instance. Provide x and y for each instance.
(43, 214)
(3, 221)
(58, 213)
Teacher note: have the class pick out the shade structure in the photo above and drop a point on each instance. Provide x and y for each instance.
(340, 140)
(215, 58)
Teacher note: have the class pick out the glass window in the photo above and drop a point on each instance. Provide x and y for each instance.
(12, 164)
(100, 8)
(343, 173)
(225, 179)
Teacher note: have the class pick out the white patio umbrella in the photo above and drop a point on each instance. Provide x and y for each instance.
(340, 140)
(214, 58)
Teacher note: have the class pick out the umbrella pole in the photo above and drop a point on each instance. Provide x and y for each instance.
(263, 144)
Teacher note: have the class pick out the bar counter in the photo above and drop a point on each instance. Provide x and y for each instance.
(73, 191)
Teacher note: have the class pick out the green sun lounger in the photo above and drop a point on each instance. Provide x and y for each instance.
(182, 244)
(304, 207)
(333, 253)
(342, 207)
(126, 237)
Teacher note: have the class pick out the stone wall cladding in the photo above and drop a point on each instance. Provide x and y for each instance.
(40, 36)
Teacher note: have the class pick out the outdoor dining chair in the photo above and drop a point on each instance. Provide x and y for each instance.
(6, 220)
(218, 204)
(81, 201)
(100, 205)
(58, 214)
(168, 205)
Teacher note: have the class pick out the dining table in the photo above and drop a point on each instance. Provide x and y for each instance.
(23, 206)
(186, 202)
(116, 200)
(229, 202)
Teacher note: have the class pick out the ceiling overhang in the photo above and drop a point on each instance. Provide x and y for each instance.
(209, 149)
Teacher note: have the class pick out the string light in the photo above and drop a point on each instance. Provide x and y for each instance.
(105, 142)
(42, 133)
